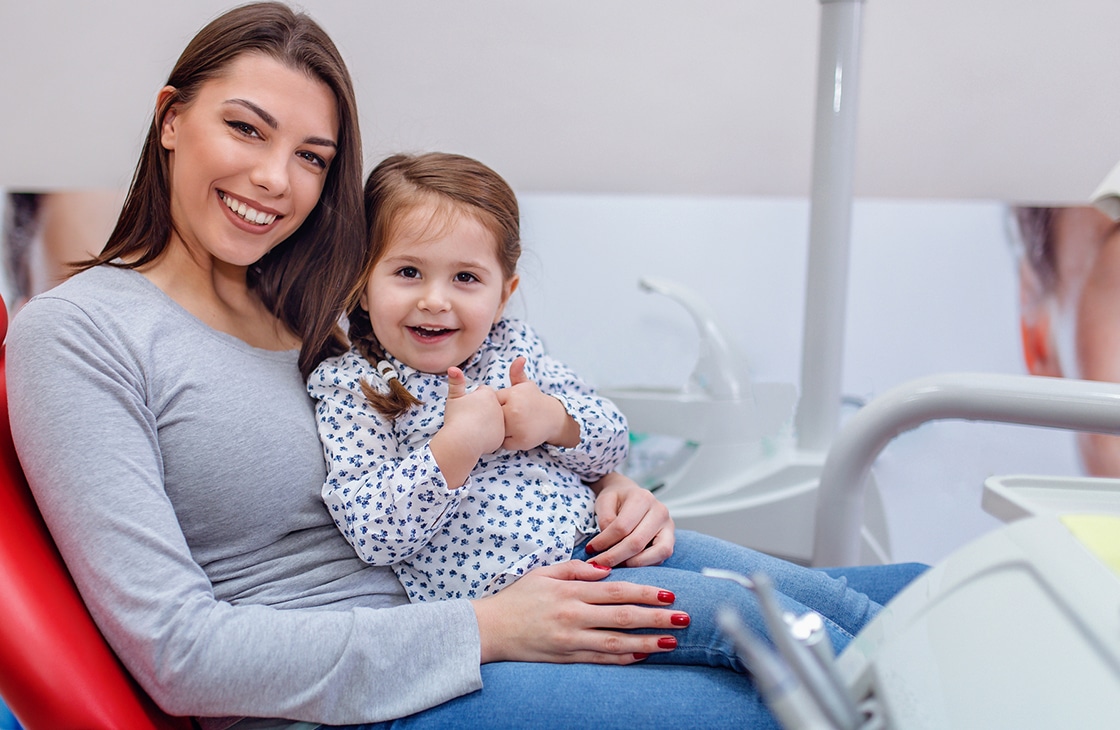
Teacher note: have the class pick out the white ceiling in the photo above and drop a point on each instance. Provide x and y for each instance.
(995, 99)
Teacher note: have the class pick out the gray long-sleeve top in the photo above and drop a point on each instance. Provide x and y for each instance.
(179, 470)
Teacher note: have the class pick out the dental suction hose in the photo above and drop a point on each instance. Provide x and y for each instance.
(715, 372)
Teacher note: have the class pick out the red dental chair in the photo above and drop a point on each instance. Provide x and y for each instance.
(56, 671)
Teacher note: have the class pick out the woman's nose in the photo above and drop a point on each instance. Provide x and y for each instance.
(271, 173)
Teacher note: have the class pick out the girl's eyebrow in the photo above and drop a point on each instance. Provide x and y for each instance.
(405, 258)
(274, 124)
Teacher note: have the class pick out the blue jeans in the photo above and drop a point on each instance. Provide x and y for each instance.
(684, 687)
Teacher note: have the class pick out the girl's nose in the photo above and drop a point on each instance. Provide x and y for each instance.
(434, 299)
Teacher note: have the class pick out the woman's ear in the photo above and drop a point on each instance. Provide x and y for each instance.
(167, 113)
(1040, 354)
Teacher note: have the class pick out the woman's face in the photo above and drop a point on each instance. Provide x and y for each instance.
(248, 159)
(1096, 339)
(1081, 317)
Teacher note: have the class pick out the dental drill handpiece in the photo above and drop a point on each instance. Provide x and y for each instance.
(793, 707)
(820, 678)
(808, 628)
(825, 687)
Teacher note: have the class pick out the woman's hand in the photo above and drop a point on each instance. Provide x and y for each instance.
(635, 528)
(558, 614)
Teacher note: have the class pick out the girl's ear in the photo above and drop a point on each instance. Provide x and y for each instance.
(507, 291)
(363, 301)
(1040, 353)
(168, 128)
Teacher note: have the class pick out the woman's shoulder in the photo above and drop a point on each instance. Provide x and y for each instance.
(101, 290)
(99, 295)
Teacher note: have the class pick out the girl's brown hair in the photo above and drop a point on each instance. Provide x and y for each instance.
(304, 280)
(452, 185)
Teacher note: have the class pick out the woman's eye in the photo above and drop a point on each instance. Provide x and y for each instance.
(464, 277)
(246, 129)
(314, 159)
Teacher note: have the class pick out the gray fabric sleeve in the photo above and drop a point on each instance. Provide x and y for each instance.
(90, 447)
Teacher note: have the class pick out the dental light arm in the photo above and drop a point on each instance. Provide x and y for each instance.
(1079, 405)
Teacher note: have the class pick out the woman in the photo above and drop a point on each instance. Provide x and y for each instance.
(158, 405)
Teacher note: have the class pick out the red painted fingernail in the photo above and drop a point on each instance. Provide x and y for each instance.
(666, 596)
(590, 550)
(641, 656)
(667, 642)
(680, 619)
(593, 564)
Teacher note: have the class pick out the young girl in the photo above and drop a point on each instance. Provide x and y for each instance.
(457, 449)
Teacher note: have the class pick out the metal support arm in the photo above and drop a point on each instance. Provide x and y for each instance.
(1078, 405)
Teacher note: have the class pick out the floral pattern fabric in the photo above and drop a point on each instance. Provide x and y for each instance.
(517, 511)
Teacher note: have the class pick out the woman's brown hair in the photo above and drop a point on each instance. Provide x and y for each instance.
(452, 185)
(304, 280)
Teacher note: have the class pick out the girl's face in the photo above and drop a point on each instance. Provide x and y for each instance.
(436, 290)
(248, 158)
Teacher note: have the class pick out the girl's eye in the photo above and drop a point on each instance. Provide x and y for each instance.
(464, 277)
(409, 272)
(314, 159)
(246, 129)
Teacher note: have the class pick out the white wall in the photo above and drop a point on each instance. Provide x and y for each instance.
(932, 289)
(672, 138)
(990, 99)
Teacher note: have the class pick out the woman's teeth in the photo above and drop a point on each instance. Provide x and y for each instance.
(252, 215)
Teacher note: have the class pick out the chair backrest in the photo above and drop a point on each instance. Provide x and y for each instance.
(56, 671)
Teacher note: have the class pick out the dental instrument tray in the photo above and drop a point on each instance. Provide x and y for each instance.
(1018, 496)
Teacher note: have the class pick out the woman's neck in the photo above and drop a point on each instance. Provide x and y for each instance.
(218, 294)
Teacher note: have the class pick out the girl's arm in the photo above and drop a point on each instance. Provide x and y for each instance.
(601, 437)
(387, 504)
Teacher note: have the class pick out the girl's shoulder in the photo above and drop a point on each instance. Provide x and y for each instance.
(346, 366)
(509, 332)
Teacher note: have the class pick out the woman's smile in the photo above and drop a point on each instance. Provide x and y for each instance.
(248, 213)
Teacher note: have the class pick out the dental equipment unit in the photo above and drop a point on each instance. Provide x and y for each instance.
(1019, 629)
(721, 454)
(754, 452)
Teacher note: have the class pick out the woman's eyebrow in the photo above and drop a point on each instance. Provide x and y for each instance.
(274, 124)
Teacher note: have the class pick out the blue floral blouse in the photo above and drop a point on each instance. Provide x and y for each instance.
(518, 510)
